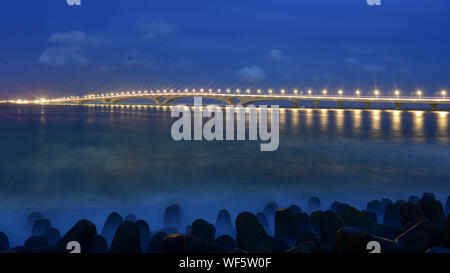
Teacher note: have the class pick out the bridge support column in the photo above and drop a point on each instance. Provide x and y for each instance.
(316, 104)
(398, 106)
(367, 105)
(433, 107)
(230, 101)
(294, 103)
(341, 104)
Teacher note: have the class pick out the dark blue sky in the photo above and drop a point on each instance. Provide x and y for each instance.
(48, 48)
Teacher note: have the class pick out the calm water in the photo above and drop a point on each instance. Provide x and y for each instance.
(72, 162)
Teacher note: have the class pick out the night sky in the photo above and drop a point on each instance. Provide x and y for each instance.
(48, 48)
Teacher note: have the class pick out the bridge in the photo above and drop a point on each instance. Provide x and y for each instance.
(245, 97)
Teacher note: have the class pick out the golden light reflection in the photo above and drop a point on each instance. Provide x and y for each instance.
(295, 118)
(396, 124)
(340, 117)
(309, 118)
(324, 119)
(357, 120)
(442, 124)
(418, 126)
(375, 123)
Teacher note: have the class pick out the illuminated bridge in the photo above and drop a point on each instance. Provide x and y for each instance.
(244, 97)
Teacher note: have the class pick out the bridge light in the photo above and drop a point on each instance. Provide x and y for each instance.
(358, 92)
(324, 91)
(340, 92)
(201, 89)
(309, 91)
(134, 92)
(186, 90)
(397, 93)
(282, 91)
(419, 93)
(139, 92)
(237, 90)
(218, 90)
(443, 93)
(259, 91)
(295, 91)
(228, 90)
(376, 92)
(210, 90)
(248, 91)
(270, 91)
(157, 91)
(193, 90)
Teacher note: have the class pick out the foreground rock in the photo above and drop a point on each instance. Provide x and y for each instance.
(156, 241)
(303, 222)
(410, 214)
(433, 210)
(4, 242)
(286, 226)
(446, 232)
(98, 245)
(144, 232)
(355, 218)
(127, 239)
(262, 218)
(250, 234)
(226, 242)
(111, 224)
(203, 230)
(35, 242)
(392, 215)
(351, 240)
(83, 232)
(329, 223)
(420, 237)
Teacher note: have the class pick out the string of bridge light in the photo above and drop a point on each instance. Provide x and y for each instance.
(324, 92)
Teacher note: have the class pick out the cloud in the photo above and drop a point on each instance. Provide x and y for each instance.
(69, 49)
(368, 67)
(61, 56)
(251, 73)
(275, 55)
(155, 29)
(75, 38)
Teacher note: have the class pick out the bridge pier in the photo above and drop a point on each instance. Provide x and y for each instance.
(294, 103)
(433, 107)
(398, 106)
(316, 104)
(341, 104)
(367, 105)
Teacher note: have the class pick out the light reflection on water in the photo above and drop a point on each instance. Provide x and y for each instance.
(105, 158)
